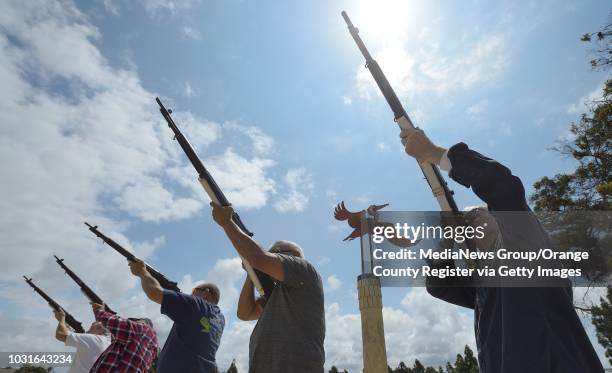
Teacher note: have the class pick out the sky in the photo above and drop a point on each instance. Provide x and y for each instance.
(277, 102)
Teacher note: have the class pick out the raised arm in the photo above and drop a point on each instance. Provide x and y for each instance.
(246, 246)
(491, 181)
(62, 331)
(149, 284)
(248, 308)
(122, 329)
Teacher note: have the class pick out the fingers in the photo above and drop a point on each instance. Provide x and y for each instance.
(407, 134)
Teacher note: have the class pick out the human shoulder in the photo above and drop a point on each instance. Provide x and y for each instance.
(299, 271)
(86, 339)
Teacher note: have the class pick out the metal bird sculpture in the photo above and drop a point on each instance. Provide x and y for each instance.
(354, 218)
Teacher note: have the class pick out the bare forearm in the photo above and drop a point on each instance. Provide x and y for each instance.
(247, 306)
(152, 288)
(62, 331)
(435, 154)
(245, 245)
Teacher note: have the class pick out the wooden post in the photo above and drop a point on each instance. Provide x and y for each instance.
(372, 326)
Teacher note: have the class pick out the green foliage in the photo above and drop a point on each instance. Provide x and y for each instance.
(603, 41)
(32, 369)
(465, 363)
(335, 370)
(589, 187)
(601, 316)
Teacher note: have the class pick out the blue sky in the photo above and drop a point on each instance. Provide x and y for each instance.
(277, 102)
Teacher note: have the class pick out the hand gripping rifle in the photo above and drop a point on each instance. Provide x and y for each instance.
(93, 297)
(431, 172)
(217, 196)
(70, 320)
(163, 281)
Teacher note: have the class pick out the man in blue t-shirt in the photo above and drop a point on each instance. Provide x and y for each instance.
(198, 324)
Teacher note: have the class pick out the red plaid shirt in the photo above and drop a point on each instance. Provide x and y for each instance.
(133, 348)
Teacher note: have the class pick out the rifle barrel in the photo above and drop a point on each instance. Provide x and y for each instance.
(70, 320)
(163, 280)
(86, 290)
(431, 172)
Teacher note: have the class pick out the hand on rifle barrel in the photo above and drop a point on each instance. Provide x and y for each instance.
(419, 146)
(222, 214)
(138, 267)
(60, 315)
(97, 307)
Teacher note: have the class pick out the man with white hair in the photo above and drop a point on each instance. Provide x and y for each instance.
(290, 329)
(517, 329)
(89, 345)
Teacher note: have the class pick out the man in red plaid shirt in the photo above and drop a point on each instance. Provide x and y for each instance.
(134, 344)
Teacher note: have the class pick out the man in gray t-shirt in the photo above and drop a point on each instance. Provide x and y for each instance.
(290, 330)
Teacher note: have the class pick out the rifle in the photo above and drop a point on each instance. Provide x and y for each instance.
(216, 195)
(163, 281)
(70, 320)
(93, 297)
(431, 172)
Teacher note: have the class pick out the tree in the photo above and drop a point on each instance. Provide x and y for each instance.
(232, 368)
(33, 369)
(589, 187)
(601, 316)
(603, 39)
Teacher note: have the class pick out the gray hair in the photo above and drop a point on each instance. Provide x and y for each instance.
(288, 245)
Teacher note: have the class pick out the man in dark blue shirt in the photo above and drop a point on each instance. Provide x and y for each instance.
(198, 324)
(517, 329)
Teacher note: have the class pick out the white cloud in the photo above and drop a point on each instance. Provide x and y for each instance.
(261, 142)
(420, 57)
(149, 201)
(97, 148)
(477, 108)
(333, 283)
(243, 180)
(424, 328)
(191, 33)
(189, 92)
(347, 100)
(111, 6)
(162, 7)
(582, 104)
(298, 187)
(323, 260)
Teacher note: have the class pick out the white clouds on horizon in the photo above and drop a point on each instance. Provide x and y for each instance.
(423, 328)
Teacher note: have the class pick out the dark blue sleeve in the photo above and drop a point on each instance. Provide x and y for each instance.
(178, 306)
(491, 181)
(448, 289)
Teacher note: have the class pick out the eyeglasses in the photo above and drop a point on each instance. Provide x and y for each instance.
(203, 289)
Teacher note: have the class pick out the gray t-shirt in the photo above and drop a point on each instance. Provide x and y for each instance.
(291, 329)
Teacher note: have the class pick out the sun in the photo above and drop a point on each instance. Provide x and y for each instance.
(385, 20)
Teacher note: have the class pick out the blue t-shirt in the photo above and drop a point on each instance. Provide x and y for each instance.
(194, 338)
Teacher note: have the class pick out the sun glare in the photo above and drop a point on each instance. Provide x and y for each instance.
(385, 20)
